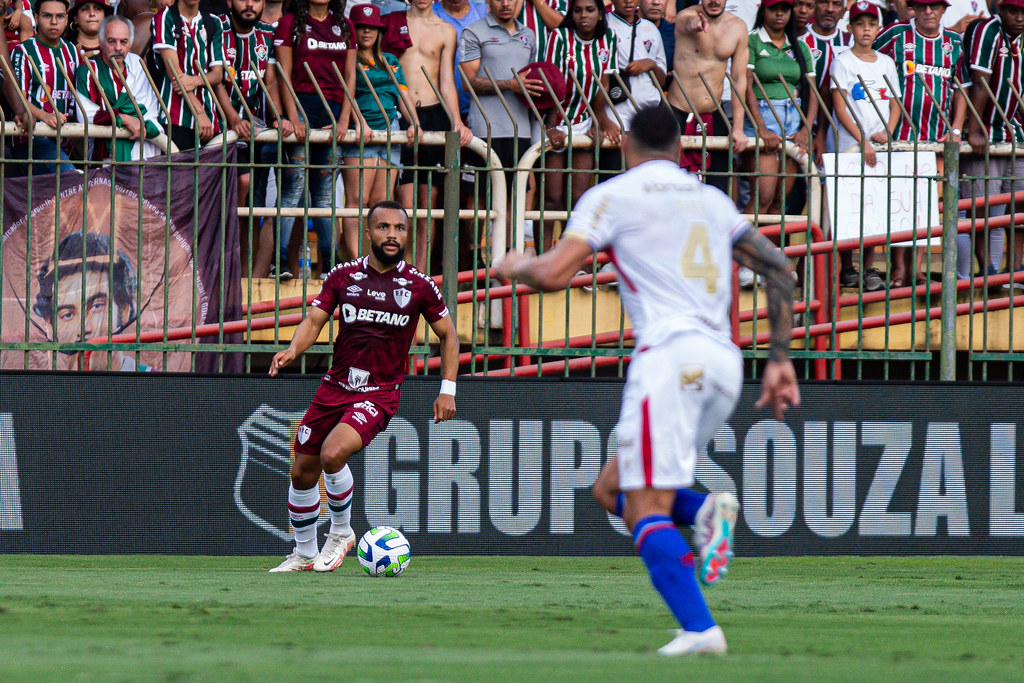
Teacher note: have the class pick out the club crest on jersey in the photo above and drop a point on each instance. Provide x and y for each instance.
(402, 297)
(358, 276)
(303, 434)
(357, 378)
(648, 44)
(261, 51)
(947, 48)
(336, 30)
(815, 52)
(602, 55)
(525, 40)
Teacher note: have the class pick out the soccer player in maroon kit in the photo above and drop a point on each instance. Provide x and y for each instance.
(380, 298)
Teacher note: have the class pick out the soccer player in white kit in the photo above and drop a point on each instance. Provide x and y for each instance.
(672, 240)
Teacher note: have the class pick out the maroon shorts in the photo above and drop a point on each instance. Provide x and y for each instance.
(367, 413)
(694, 160)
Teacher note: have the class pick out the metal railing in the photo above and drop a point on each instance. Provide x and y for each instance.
(946, 327)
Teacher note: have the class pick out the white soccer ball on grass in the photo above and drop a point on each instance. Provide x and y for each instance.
(384, 551)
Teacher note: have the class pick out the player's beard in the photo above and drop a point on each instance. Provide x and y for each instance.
(245, 24)
(386, 258)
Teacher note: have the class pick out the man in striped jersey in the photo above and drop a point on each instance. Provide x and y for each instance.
(994, 58)
(116, 76)
(44, 67)
(190, 44)
(248, 57)
(825, 39)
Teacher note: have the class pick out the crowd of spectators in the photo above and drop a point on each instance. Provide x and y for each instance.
(514, 72)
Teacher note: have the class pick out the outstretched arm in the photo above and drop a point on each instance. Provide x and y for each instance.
(779, 389)
(305, 334)
(551, 271)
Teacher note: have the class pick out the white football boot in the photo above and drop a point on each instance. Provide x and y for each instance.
(295, 563)
(711, 641)
(335, 549)
(713, 532)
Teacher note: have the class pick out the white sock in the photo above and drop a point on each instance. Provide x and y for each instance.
(303, 511)
(339, 499)
(996, 247)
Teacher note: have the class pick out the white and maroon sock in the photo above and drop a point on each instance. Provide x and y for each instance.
(303, 511)
(339, 499)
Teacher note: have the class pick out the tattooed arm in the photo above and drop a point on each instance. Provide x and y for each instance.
(779, 389)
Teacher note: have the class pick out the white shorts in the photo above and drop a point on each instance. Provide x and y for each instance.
(677, 395)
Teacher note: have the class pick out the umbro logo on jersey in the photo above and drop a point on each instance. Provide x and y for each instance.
(354, 290)
(358, 276)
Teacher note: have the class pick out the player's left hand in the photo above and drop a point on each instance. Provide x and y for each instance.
(283, 358)
(779, 390)
(444, 408)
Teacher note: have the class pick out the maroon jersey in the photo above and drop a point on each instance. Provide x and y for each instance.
(323, 43)
(377, 321)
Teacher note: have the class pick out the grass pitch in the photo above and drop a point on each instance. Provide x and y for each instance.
(504, 619)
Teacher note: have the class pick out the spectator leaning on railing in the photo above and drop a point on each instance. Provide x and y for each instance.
(782, 65)
(428, 63)
(930, 58)
(370, 171)
(825, 40)
(188, 53)
(248, 58)
(495, 47)
(585, 49)
(993, 49)
(542, 17)
(317, 37)
(43, 68)
(641, 55)
(709, 40)
(117, 75)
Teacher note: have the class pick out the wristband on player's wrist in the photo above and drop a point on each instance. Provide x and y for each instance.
(447, 387)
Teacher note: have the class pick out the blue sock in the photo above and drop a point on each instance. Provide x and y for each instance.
(684, 509)
(670, 564)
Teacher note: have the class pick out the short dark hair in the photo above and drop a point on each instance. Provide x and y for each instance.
(654, 129)
(96, 250)
(38, 3)
(386, 204)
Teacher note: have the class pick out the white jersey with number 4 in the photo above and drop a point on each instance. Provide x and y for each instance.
(670, 238)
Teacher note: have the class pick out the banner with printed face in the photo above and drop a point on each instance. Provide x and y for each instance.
(171, 463)
(121, 251)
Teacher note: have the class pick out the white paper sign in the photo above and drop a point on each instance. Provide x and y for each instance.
(888, 199)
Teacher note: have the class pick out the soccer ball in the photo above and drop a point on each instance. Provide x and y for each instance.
(384, 551)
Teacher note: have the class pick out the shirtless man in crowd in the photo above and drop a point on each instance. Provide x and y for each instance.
(706, 38)
(433, 47)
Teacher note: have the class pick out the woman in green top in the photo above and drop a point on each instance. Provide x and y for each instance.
(379, 79)
(774, 115)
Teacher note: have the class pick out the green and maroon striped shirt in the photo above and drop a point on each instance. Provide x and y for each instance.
(192, 44)
(995, 54)
(585, 59)
(926, 64)
(55, 89)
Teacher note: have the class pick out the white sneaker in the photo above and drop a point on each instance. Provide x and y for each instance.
(711, 641)
(714, 528)
(333, 554)
(294, 563)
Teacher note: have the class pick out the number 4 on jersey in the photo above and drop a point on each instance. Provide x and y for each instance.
(697, 261)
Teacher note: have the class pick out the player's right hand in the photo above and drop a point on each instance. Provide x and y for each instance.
(779, 390)
(281, 359)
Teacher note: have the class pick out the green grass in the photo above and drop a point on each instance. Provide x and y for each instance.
(504, 619)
